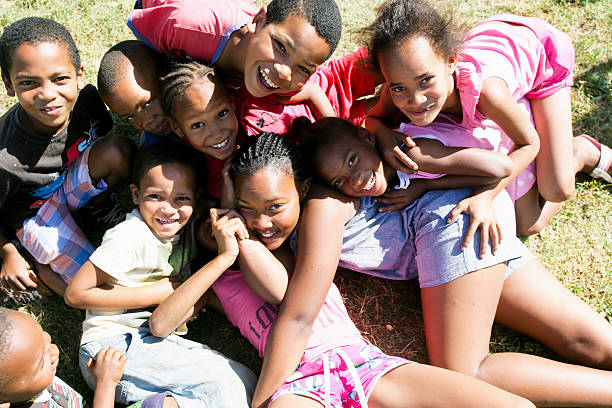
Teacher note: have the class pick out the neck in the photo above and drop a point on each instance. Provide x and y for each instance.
(453, 102)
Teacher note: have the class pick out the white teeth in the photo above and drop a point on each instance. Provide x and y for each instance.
(165, 222)
(267, 80)
(370, 183)
(222, 144)
(268, 235)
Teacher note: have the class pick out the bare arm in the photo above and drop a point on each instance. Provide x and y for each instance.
(106, 372)
(313, 93)
(179, 306)
(89, 290)
(388, 140)
(319, 243)
(16, 273)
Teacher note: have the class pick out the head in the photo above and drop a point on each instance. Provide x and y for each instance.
(269, 184)
(28, 359)
(165, 186)
(416, 51)
(342, 155)
(41, 66)
(291, 38)
(201, 108)
(128, 81)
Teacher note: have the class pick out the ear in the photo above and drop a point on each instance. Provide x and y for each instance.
(81, 78)
(135, 194)
(175, 127)
(9, 87)
(452, 63)
(304, 189)
(258, 20)
(366, 135)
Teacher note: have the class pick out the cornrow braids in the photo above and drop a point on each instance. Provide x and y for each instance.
(269, 149)
(180, 76)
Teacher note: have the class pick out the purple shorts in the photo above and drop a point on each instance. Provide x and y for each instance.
(344, 376)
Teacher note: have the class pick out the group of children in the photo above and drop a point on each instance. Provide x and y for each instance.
(478, 118)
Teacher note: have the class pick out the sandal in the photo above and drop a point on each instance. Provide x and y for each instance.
(605, 160)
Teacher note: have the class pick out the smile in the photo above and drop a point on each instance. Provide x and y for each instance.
(221, 145)
(51, 109)
(166, 222)
(266, 235)
(267, 81)
(370, 183)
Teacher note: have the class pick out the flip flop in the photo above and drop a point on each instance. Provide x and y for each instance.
(605, 160)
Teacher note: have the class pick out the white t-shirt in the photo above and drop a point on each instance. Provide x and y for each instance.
(134, 257)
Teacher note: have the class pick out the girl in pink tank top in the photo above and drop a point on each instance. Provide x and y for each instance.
(479, 85)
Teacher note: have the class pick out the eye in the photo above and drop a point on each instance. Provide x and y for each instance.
(222, 114)
(129, 118)
(244, 209)
(197, 125)
(398, 89)
(61, 78)
(337, 182)
(305, 70)
(275, 207)
(280, 46)
(351, 160)
(183, 199)
(154, 196)
(26, 83)
(425, 81)
(148, 103)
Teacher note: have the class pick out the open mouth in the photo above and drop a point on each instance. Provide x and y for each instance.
(51, 110)
(221, 145)
(425, 109)
(267, 236)
(265, 80)
(166, 222)
(370, 184)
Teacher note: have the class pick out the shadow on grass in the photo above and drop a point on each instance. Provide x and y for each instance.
(596, 85)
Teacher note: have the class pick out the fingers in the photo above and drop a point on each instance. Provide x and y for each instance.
(22, 280)
(484, 239)
(469, 235)
(456, 212)
(406, 162)
(408, 142)
(228, 222)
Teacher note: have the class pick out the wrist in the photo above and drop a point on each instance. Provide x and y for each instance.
(8, 250)
(226, 259)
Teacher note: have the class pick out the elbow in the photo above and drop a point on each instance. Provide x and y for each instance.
(505, 168)
(157, 326)
(73, 298)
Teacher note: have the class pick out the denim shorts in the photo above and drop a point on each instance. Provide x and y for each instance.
(437, 244)
(196, 375)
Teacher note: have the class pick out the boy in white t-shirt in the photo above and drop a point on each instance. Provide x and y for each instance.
(138, 264)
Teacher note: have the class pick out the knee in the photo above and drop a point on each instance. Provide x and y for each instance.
(526, 229)
(591, 347)
(112, 159)
(558, 192)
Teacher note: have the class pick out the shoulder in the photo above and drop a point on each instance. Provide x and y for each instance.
(324, 202)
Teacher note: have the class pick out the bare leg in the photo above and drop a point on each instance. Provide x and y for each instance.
(533, 212)
(458, 327)
(50, 280)
(419, 385)
(553, 121)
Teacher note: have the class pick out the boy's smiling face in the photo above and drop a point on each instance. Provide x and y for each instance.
(166, 197)
(32, 361)
(282, 56)
(207, 118)
(46, 83)
(136, 98)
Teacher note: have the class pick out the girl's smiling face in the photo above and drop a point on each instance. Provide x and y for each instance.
(269, 202)
(421, 82)
(352, 165)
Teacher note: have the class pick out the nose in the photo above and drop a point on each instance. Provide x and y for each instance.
(261, 222)
(417, 98)
(47, 91)
(146, 119)
(283, 71)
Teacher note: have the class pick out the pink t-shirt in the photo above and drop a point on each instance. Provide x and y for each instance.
(531, 56)
(488, 137)
(254, 317)
(195, 28)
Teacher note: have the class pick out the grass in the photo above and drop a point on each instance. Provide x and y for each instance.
(576, 246)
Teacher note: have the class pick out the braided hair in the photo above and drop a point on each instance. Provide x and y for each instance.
(180, 76)
(269, 149)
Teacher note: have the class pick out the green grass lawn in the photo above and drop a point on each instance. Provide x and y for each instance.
(576, 246)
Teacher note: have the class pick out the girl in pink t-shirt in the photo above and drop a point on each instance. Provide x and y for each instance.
(478, 83)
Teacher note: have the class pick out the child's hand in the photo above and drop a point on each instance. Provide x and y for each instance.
(108, 367)
(391, 144)
(399, 199)
(228, 227)
(17, 273)
(480, 208)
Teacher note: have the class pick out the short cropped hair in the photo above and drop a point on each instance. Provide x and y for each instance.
(323, 15)
(122, 56)
(34, 31)
(165, 153)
